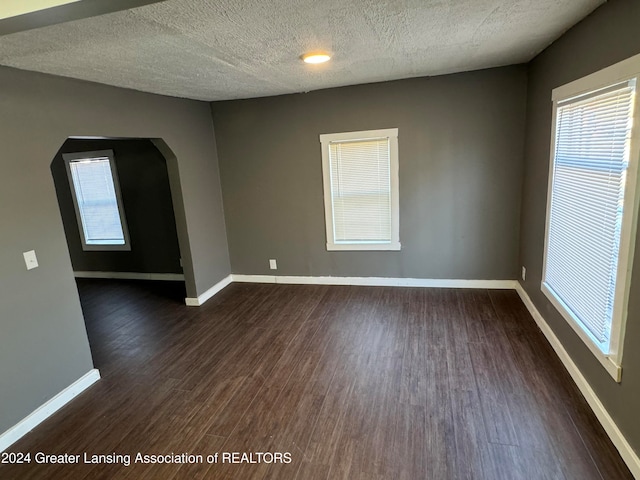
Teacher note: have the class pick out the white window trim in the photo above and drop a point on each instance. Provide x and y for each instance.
(70, 157)
(325, 140)
(622, 71)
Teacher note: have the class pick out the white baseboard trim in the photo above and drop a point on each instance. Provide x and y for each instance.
(196, 302)
(377, 281)
(626, 451)
(50, 407)
(131, 275)
(361, 281)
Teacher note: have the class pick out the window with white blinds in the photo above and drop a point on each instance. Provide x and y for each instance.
(96, 195)
(589, 216)
(361, 190)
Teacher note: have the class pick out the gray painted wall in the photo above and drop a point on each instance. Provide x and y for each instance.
(607, 36)
(460, 147)
(146, 198)
(43, 342)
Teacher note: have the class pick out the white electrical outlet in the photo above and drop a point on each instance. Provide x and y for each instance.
(524, 273)
(30, 259)
(273, 265)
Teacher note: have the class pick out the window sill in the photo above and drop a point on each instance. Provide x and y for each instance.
(607, 361)
(105, 247)
(393, 246)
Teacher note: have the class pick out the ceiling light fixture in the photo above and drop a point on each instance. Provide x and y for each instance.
(316, 57)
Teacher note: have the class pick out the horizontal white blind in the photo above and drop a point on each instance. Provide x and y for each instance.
(585, 219)
(97, 203)
(361, 190)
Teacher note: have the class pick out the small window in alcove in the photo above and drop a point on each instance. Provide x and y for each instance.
(97, 201)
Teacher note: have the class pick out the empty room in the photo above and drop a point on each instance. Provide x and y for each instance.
(374, 240)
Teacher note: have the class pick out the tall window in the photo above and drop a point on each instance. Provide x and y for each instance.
(361, 190)
(592, 209)
(96, 195)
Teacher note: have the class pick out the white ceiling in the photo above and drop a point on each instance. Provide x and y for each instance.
(228, 49)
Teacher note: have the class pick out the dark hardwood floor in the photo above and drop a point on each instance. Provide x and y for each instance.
(358, 383)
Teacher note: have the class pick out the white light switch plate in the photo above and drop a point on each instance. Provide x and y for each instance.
(30, 259)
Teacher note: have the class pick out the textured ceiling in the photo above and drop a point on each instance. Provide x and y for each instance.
(227, 49)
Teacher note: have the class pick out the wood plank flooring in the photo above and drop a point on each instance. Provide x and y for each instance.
(358, 383)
